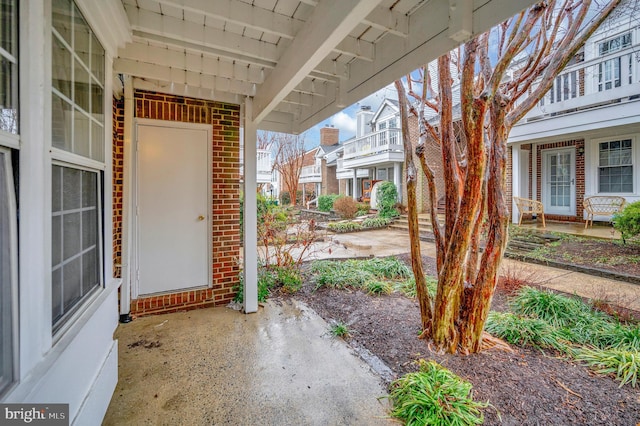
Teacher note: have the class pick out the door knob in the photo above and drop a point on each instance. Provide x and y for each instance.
(201, 218)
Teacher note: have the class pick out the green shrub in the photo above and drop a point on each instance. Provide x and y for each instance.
(434, 396)
(290, 279)
(628, 221)
(376, 222)
(266, 281)
(346, 207)
(362, 213)
(344, 226)
(387, 198)
(325, 202)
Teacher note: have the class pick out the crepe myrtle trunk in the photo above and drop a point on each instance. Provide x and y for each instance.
(422, 294)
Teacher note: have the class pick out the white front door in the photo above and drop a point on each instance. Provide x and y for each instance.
(172, 196)
(559, 183)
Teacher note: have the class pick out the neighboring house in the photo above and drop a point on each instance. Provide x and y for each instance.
(119, 154)
(376, 153)
(583, 138)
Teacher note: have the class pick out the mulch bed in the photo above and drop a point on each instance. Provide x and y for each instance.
(528, 387)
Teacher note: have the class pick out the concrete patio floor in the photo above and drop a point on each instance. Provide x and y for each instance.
(218, 366)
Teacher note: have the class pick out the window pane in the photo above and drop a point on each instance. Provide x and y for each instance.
(72, 283)
(89, 189)
(81, 137)
(71, 187)
(56, 294)
(97, 60)
(82, 36)
(61, 120)
(56, 240)
(70, 235)
(89, 229)
(97, 142)
(61, 72)
(97, 102)
(76, 251)
(61, 11)
(8, 95)
(81, 85)
(90, 278)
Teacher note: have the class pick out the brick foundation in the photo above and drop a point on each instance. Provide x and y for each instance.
(225, 194)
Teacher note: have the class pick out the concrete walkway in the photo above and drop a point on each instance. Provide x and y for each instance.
(218, 366)
(387, 242)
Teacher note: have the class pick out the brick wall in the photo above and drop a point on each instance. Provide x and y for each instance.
(225, 195)
(579, 182)
(118, 156)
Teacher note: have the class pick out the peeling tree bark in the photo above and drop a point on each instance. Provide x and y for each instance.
(424, 300)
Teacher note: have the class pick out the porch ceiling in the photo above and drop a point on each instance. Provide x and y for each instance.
(301, 60)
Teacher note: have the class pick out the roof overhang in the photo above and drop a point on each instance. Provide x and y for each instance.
(300, 60)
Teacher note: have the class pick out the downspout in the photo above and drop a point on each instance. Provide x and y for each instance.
(127, 202)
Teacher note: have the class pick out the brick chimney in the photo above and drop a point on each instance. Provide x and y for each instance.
(329, 135)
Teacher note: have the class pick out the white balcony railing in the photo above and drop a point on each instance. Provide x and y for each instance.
(589, 84)
(374, 143)
(310, 174)
(263, 166)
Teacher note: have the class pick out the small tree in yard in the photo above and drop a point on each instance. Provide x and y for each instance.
(542, 39)
(289, 157)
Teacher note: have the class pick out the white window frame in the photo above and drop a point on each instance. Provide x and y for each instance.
(10, 142)
(60, 324)
(633, 163)
(13, 268)
(610, 39)
(64, 158)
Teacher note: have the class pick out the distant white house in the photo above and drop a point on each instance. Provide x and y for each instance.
(376, 153)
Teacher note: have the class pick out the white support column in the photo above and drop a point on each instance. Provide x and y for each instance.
(355, 182)
(304, 196)
(397, 179)
(127, 200)
(250, 218)
(34, 197)
(515, 180)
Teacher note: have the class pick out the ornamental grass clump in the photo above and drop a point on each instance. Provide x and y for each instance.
(621, 364)
(557, 310)
(371, 275)
(344, 226)
(387, 267)
(523, 331)
(434, 396)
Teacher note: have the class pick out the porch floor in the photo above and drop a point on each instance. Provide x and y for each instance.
(280, 366)
(598, 230)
